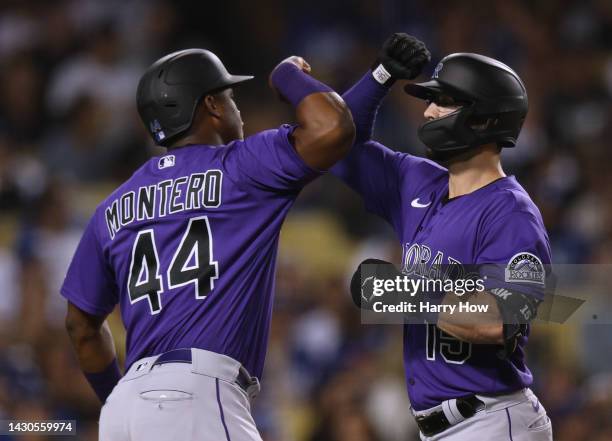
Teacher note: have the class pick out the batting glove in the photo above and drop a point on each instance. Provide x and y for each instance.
(402, 56)
(362, 282)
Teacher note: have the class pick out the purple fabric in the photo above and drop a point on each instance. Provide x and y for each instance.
(104, 382)
(488, 226)
(364, 99)
(258, 180)
(294, 85)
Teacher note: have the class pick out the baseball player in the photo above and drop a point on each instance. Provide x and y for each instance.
(466, 377)
(187, 247)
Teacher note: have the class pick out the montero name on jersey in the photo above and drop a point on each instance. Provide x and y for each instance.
(198, 190)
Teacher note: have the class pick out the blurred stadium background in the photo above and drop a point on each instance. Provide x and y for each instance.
(69, 133)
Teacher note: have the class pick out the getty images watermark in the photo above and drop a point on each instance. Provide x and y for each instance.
(384, 295)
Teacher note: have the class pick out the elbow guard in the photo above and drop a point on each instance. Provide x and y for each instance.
(517, 311)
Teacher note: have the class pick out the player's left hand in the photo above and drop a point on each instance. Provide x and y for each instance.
(403, 56)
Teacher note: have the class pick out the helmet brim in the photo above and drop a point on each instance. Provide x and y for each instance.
(227, 82)
(425, 91)
(237, 79)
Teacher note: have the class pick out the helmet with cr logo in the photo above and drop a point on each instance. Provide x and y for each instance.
(492, 103)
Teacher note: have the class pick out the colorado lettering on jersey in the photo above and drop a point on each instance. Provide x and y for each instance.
(417, 260)
(198, 190)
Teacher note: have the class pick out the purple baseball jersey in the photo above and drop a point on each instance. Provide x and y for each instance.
(187, 247)
(492, 225)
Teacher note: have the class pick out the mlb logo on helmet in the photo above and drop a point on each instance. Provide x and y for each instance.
(156, 130)
(166, 161)
(437, 70)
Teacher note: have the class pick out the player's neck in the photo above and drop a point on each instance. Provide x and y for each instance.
(199, 139)
(202, 132)
(474, 173)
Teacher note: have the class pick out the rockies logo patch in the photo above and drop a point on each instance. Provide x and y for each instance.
(525, 267)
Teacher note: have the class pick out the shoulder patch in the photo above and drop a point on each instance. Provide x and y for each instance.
(525, 267)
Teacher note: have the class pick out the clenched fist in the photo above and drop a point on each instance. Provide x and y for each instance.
(402, 56)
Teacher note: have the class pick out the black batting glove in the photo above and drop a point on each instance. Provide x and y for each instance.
(402, 57)
(362, 282)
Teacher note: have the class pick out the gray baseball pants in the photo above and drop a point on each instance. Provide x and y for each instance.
(514, 417)
(197, 401)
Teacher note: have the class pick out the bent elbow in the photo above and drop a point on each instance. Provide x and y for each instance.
(326, 130)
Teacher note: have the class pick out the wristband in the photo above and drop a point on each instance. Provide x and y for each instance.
(104, 382)
(294, 85)
(382, 76)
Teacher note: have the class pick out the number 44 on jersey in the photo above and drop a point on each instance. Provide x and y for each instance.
(192, 264)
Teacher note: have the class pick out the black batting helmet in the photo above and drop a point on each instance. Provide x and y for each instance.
(170, 90)
(493, 103)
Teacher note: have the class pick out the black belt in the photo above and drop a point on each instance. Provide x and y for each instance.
(436, 422)
(244, 380)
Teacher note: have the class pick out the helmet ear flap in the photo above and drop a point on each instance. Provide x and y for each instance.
(504, 130)
(480, 123)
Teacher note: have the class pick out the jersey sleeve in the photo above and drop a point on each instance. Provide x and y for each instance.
(90, 283)
(514, 254)
(268, 160)
(374, 172)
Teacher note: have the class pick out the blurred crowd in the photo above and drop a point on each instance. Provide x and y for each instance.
(69, 133)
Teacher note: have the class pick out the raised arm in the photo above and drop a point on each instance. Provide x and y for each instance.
(370, 168)
(401, 57)
(325, 130)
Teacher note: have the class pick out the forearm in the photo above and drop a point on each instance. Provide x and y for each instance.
(363, 100)
(325, 130)
(93, 344)
(95, 348)
(482, 327)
